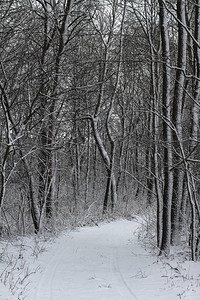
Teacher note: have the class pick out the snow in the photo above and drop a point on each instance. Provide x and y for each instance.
(105, 262)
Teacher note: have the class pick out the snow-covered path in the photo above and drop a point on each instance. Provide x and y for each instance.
(86, 265)
(105, 263)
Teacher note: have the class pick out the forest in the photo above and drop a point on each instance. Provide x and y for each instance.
(99, 115)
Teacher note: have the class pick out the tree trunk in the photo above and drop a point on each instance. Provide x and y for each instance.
(107, 160)
(167, 134)
(155, 93)
(177, 120)
(195, 127)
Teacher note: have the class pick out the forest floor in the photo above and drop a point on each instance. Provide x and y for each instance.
(105, 262)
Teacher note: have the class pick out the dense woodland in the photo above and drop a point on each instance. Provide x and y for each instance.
(99, 114)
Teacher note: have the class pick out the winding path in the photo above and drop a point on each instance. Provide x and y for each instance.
(88, 265)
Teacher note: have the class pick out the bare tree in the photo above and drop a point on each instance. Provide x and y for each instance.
(167, 133)
(177, 116)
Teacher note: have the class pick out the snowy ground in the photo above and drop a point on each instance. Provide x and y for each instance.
(104, 262)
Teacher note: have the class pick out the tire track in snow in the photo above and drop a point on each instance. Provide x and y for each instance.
(45, 288)
(122, 287)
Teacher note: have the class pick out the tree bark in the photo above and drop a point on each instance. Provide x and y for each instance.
(167, 134)
(195, 131)
(177, 120)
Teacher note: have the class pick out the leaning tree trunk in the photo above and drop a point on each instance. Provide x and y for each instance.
(107, 160)
(107, 154)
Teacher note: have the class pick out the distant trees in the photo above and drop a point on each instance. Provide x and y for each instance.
(112, 47)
